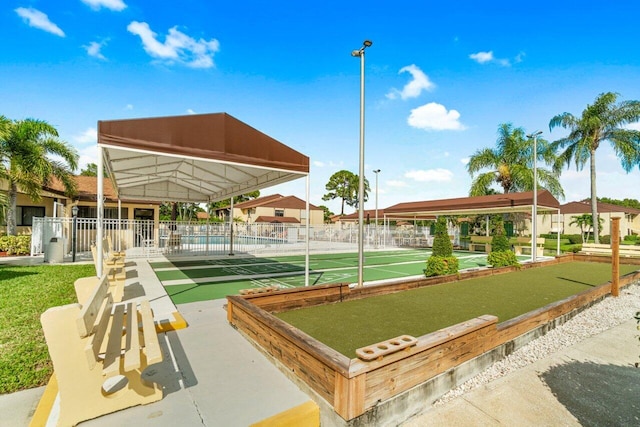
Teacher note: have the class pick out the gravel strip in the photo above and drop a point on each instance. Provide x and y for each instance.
(602, 316)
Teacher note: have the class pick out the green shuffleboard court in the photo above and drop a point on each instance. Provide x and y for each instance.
(349, 325)
(201, 280)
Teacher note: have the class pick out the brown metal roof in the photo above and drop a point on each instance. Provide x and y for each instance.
(194, 158)
(86, 190)
(495, 203)
(585, 207)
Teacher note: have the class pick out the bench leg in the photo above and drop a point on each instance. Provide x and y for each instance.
(80, 389)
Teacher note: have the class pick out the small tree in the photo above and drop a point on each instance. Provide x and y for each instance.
(441, 261)
(501, 254)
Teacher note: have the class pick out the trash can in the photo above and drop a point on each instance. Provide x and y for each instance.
(54, 252)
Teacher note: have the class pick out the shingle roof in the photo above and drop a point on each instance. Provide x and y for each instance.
(276, 201)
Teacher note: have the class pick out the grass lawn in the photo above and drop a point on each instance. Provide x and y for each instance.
(25, 293)
(353, 324)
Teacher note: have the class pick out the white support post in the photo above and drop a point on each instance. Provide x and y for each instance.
(306, 255)
(100, 212)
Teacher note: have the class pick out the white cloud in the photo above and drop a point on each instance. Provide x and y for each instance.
(89, 135)
(430, 175)
(465, 160)
(128, 107)
(414, 88)
(177, 46)
(318, 164)
(433, 116)
(190, 111)
(397, 184)
(487, 57)
(116, 5)
(482, 57)
(36, 19)
(93, 49)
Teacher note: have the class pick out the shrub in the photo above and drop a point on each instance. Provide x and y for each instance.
(442, 246)
(440, 266)
(16, 245)
(500, 242)
(606, 240)
(574, 239)
(441, 261)
(502, 259)
(631, 238)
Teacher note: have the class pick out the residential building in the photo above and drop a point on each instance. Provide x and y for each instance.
(278, 208)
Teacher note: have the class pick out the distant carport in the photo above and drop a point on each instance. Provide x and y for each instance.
(194, 158)
(478, 205)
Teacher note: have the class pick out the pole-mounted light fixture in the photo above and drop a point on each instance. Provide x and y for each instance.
(360, 53)
(534, 213)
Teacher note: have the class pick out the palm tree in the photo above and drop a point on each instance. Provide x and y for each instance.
(585, 222)
(602, 121)
(25, 162)
(510, 164)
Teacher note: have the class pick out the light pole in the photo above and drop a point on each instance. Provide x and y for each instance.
(360, 53)
(534, 214)
(74, 212)
(376, 171)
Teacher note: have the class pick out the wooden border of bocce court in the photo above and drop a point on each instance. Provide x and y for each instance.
(352, 386)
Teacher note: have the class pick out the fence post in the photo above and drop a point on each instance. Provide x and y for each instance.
(615, 256)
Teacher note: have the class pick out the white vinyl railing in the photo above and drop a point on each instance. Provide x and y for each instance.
(146, 238)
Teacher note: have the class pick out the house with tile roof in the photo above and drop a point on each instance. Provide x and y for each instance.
(277, 208)
(55, 203)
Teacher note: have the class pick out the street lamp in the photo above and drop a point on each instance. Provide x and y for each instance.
(376, 171)
(74, 212)
(360, 53)
(534, 214)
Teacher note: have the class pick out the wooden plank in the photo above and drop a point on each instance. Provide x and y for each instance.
(111, 364)
(349, 397)
(311, 368)
(151, 343)
(132, 348)
(87, 316)
(94, 344)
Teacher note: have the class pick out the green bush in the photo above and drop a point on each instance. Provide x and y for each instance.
(16, 245)
(632, 238)
(442, 246)
(499, 241)
(502, 259)
(605, 240)
(440, 266)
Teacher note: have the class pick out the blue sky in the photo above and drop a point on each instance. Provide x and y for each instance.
(440, 77)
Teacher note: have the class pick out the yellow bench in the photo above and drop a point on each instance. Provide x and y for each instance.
(481, 242)
(115, 269)
(522, 246)
(604, 249)
(99, 351)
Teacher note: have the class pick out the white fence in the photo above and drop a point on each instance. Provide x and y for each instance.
(148, 238)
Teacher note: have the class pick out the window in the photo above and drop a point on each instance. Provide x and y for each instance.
(279, 212)
(109, 213)
(25, 214)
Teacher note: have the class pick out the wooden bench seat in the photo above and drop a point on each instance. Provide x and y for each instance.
(604, 249)
(99, 351)
(480, 244)
(114, 268)
(522, 246)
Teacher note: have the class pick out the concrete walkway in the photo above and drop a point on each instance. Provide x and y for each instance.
(212, 376)
(592, 383)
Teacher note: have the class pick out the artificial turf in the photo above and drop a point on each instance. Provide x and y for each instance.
(349, 325)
